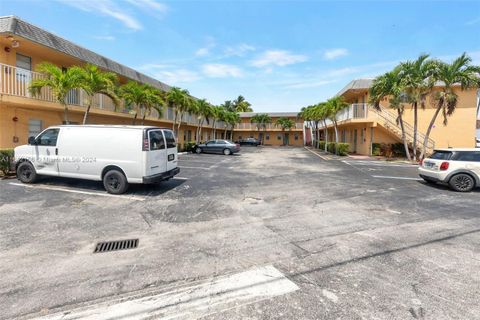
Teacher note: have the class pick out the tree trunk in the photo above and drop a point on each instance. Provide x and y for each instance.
(143, 118)
(427, 135)
(65, 114)
(415, 128)
(336, 137)
(85, 116)
(179, 124)
(326, 135)
(404, 139)
(198, 132)
(134, 118)
(174, 120)
(214, 128)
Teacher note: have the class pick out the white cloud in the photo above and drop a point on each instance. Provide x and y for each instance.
(149, 5)
(332, 54)
(205, 50)
(107, 38)
(309, 84)
(106, 8)
(277, 58)
(176, 76)
(202, 52)
(239, 50)
(218, 70)
(472, 22)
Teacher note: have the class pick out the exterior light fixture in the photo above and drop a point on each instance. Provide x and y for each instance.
(15, 44)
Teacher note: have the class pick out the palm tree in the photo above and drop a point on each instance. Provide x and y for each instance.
(458, 72)
(134, 95)
(200, 108)
(217, 114)
(94, 81)
(334, 106)
(154, 100)
(389, 85)
(232, 119)
(207, 115)
(417, 82)
(322, 113)
(242, 105)
(177, 99)
(261, 120)
(59, 81)
(229, 106)
(285, 124)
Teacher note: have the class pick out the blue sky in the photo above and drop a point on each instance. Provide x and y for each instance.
(280, 55)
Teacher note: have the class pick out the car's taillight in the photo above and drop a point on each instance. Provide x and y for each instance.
(146, 145)
(444, 166)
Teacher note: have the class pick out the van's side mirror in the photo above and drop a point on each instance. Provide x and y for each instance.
(32, 141)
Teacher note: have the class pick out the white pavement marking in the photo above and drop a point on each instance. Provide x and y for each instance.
(45, 187)
(198, 160)
(200, 300)
(180, 178)
(400, 178)
(201, 168)
(321, 157)
(377, 164)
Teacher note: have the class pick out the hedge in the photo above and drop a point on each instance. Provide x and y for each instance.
(342, 147)
(6, 160)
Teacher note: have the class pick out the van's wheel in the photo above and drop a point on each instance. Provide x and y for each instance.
(198, 150)
(227, 152)
(462, 182)
(115, 182)
(26, 172)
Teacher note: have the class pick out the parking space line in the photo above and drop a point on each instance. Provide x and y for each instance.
(45, 187)
(321, 157)
(180, 178)
(203, 161)
(377, 164)
(201, 168)
(219, 294)
(400, 178)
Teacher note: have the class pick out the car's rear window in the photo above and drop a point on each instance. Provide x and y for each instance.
(170, 138)
(156, 140)
(467, 156)
(441, 155)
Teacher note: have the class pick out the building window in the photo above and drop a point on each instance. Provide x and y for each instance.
(279, 137)
(239, 137)
(362, 135)
(24, 62)
(296, 136)
(267, 136)
(34, 127)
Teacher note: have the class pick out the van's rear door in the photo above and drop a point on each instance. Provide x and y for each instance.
(171, 149)
(156, 156)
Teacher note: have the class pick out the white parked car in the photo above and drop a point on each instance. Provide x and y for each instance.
(116, 155)
(460, 168)
(478, 143)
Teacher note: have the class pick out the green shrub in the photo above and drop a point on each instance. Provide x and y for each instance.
(376, 149)
(6, 160)
(321, 145)
(342, 149)
(331, 147)
(188, 147)
(398, 150)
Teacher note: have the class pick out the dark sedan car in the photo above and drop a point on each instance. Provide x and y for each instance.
(250, 142)
(218, 146)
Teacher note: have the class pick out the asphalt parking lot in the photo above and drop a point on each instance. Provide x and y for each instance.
(270, 233)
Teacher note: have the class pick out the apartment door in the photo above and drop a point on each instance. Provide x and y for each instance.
(260, 136)
(23, 74)
(286, 139)
(355, 133)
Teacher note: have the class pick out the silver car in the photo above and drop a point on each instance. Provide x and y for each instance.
(218, 146)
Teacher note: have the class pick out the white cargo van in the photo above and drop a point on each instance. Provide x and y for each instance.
(116, 155)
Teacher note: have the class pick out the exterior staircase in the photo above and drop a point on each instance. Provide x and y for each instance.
(388, 120)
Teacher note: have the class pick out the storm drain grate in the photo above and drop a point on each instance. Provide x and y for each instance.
(108, 246)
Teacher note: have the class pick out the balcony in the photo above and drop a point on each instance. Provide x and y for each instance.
(353, 111)
(15, 82)
(269, 126)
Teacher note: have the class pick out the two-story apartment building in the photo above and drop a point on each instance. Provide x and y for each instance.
(23, 46)
(360, 124)
(274, 135)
